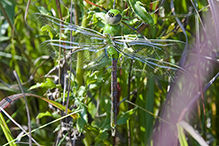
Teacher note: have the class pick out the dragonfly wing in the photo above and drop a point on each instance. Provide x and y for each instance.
(88, 41)
(44, 19)
(148, 67)
(150, 58)
(94, 56)
(168, 47)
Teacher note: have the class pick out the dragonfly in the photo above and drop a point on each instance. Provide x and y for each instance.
(145, 56)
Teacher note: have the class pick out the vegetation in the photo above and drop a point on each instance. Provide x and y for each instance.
(63, 103)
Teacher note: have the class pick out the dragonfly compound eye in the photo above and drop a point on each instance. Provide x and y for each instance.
(111, 14)
(113, 17)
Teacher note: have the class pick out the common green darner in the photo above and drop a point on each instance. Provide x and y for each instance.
(146, 57)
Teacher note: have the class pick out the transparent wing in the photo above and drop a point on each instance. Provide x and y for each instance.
(53, 21)
(60, 33)
(87, 41)
(93, 56)
(151, 58)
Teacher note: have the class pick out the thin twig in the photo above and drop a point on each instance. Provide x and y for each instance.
(150, 113)
(27, 109)
(25, 15)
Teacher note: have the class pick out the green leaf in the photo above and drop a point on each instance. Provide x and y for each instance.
(188, 128)
(81, 91)
(170, 32)
(56, 115)
(6, 130)
(103, 135)
(122, 118)
(9, 7)
(48, 84)
(181, 136)
(40, 115)
(93, 86)
(92, 109)
(43, 10)
(140, 11)
(3, 28)
(82, 120)
(92, 78)
(49, 30)
(4, 38)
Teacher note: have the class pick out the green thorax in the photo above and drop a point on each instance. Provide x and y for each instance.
(111, 48)
(111, 29)
(113, 18)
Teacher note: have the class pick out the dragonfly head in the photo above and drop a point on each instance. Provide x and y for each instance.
(113, 17)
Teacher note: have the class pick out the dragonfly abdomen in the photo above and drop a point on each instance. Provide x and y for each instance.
(114, 96)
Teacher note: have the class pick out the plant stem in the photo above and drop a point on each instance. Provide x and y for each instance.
(80, 54)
